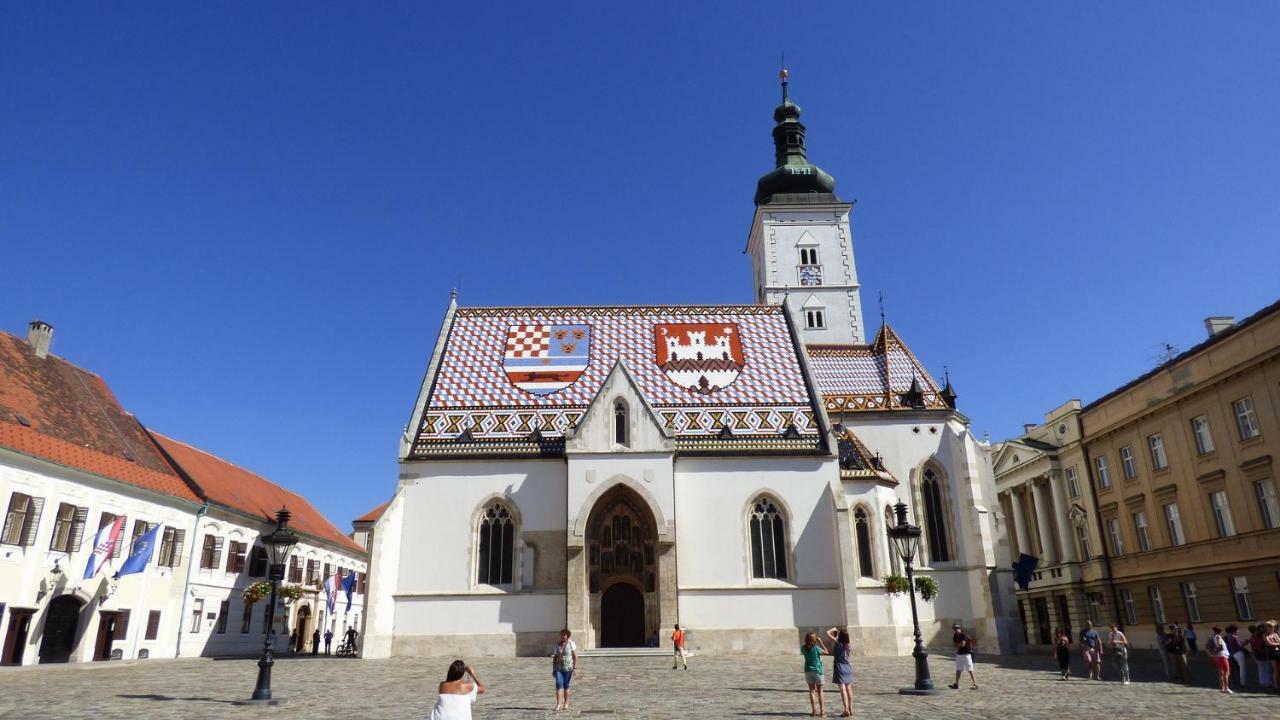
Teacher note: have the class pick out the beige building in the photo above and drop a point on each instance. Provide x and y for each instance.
(1156, 503)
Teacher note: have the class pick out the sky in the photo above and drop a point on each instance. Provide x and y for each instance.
(248, 217)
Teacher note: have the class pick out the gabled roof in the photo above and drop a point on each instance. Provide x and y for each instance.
(52, 410)
(872, 377)
(373, 515)
(231, 486)
(514, 380)
(857, 461)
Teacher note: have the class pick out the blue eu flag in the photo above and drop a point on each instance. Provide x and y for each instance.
(140, 554)
(1023, 569)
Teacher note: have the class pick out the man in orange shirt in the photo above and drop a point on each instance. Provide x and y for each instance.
(677, 639)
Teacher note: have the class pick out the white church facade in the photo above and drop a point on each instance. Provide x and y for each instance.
(619, 469)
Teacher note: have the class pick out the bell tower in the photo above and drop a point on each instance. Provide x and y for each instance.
(800, 244)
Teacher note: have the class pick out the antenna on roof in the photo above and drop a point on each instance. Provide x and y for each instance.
(881, 308)
(1165, 353)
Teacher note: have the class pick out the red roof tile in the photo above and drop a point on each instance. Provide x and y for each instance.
(234, 487)
(374, 514)
(871, 377)
(53, 410)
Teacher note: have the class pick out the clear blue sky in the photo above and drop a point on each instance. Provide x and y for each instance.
(248, 217)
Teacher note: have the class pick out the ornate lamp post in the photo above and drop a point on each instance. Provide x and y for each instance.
(906, 540)
(278, 543)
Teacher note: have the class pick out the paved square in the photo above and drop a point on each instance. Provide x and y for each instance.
(1017, 687)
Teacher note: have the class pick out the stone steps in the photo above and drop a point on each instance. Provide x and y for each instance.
(624, 652)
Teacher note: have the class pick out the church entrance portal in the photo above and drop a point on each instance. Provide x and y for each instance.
(622, 577)
(622, 616)
(60, 621)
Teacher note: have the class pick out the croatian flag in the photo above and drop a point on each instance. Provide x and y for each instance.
(104, 544)
(331, 590)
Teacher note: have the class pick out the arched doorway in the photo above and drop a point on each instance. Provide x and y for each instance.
(622, 569)
(622, 622)
(303, 628)
(60, 622)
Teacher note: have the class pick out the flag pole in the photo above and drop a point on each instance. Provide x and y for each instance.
(146, 583)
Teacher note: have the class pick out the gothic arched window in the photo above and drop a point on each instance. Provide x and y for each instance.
(768, 540)
(862, 527)
(620, 423)
(496, 555)
(935, 518)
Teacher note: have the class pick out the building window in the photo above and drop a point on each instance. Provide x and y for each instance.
(122, 625)
(1141, 530)
(171, 542)
(1130, 608)
(1082, 536)
(895, 561)
(223, 611)
(497, 545)
(620, 423)
(197, 611)
(1104, 471)
(1095, 608)
(1240, 591)
(246, 619)
(1246, 420)
(768, 540)
(140, 528)
(1157, 604)
(235, 557)
(1117, 543)
(935, 518)
(1173, 523)
(1202, 434)
(1189, 597)
(862, 527)
(1221, 513)
(211, 553)
(68, 528)
(313, 573)
(153, 625)
(1159, 461)
(814, 320)
(22, 521)
(1126, 461)
(258, 561)
(1268, 506)
(295, 570)
(1073, 483)
(808, 256)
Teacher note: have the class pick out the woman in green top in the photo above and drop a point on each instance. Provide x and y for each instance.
(812, 650)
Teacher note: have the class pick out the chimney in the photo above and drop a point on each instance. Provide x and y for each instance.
(39, 335)
(1218, 323)
(1028, 427)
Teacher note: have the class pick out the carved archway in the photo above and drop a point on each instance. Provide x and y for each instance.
(621, 548)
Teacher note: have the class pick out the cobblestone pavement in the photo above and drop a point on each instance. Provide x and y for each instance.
(1014, 687)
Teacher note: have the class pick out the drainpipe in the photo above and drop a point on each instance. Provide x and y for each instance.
(1102, 533)
(186, 586)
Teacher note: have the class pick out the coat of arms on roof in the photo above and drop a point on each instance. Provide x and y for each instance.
(543, 359)
(702, 357)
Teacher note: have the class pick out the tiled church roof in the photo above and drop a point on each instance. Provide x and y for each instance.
(480, 393)
(872, 377)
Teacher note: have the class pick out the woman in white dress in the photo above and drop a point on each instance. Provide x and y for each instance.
(457, 694)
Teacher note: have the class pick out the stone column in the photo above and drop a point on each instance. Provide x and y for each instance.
(1018, 510)
(575, 581)
(1066, 542)
(1044, 509)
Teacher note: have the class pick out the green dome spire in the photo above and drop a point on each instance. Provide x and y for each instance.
(794, 179)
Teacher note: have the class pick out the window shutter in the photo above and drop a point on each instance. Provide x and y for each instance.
(31, 523)
(77, 528)
(217, 553)
(153, 625)
(179, 537)
(231, 557)
(115, 553)
(122, 625)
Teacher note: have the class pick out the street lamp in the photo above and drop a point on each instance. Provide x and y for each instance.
(906, 540)
(278, 543)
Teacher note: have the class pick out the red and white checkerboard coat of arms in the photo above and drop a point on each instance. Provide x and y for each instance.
(702, 357)
(543, 359)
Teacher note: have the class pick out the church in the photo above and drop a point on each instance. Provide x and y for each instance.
(732, 468)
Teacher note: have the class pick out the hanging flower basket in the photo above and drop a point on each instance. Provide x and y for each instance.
(262, 589)
(926, 588)
(896, 585)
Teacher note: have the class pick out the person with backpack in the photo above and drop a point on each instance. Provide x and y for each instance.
(564, 660)
(1120, 651)
(964, 657)
(1091, 648)
(677, 642)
